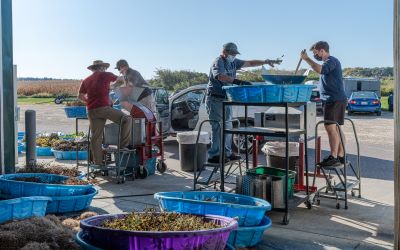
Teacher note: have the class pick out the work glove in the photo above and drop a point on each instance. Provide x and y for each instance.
(240, 82)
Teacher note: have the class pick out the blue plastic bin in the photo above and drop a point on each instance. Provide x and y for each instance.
(304, 94)
(289, 93)
(249, 210)
(66, 204)
(249, 236)
(236, 93)
(10, 188)
(44, 151)
(70, 155)
(21, 136)
(255, 93)
(21, 147)
(75, 112)
(272, 93)
(22, 208)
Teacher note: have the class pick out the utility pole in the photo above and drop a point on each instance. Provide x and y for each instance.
(396, 114)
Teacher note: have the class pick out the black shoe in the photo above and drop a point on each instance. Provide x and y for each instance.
(215, 159)
(330, 161)
(234, 157)
(341, 159)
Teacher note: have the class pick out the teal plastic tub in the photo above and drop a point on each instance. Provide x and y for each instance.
(70, 155)
(44, 151)
(23, 208)
(67, 204)
(76, 112)
(10, 188)
(248, 210)
(249, 236)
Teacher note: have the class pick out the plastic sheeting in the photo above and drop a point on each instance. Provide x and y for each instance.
(190, 137)
(277, 148)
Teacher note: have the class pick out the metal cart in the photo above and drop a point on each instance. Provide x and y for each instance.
(265, 131)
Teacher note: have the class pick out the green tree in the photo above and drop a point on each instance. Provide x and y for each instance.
(172, 80)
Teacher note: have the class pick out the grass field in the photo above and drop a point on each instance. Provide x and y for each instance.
(34, 100)
(384, 103)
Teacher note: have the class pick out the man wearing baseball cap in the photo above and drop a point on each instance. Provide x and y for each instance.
(134, 88)
(223, 73)
(94, 91)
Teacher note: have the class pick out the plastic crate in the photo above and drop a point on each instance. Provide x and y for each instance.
(236, 93)
(272, 93)
(22, 208)
(275, 173)
(107, 238)
(70, 155)
(44, 151)
(76, 112)
(150, 163)
(255, 93)
(249, 236)
(10, 188)
(66, 204)
(248, 210)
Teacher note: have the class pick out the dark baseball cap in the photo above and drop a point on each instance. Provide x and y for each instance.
(121, 63)
(231, 48)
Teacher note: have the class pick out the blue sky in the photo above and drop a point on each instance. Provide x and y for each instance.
(60, 38)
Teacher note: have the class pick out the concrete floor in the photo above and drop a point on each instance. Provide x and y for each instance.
(366, 224)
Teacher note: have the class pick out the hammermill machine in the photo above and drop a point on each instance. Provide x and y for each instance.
(146, 140)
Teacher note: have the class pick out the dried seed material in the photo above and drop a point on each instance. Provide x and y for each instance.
(152, 221)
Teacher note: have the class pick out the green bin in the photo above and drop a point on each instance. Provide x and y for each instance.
(275, 173)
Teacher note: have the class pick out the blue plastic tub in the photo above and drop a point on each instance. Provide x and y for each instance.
(22, 208)
(75, 112)
(70, 155)
(66, 204)
(255, 93)
(289, 93)
(44, 151)
(304, 94)
(284, 79)
(15, 189)
(236, 93)
(21, 147)
(272, 93)
(249, 210)
(21, 136)
(249, 236)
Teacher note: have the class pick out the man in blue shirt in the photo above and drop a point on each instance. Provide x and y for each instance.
(333, 96)
(223, 73)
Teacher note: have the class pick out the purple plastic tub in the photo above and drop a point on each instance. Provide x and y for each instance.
(106, 238)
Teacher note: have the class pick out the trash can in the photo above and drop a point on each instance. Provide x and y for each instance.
(187, 147)
(276, 155)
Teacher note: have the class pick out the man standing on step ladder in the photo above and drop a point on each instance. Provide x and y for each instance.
(333, 96)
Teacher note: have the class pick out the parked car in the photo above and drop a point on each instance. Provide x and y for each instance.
(316, 97)
(364, 101)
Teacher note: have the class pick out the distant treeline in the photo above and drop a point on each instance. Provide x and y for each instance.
(382, 72)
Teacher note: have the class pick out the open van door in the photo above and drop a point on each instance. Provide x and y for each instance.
(162, 104)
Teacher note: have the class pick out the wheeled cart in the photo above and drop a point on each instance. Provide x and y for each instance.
(272, 132)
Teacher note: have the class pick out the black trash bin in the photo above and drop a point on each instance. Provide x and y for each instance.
(187, 147)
